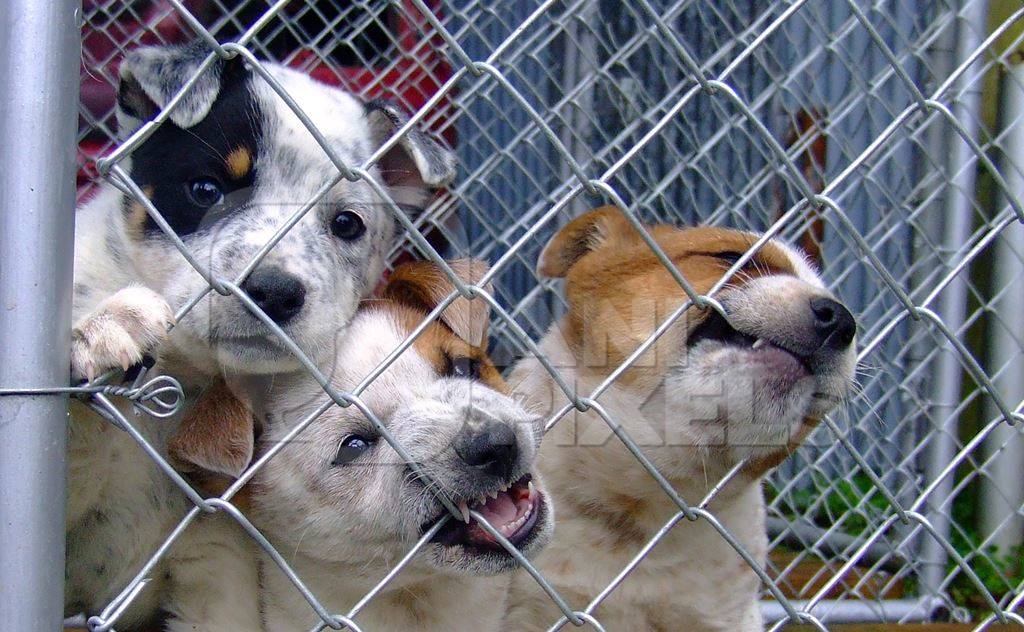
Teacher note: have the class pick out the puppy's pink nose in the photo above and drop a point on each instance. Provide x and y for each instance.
(276, 292)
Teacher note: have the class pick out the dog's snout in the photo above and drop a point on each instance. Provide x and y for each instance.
(490, 448)
(276, 292)
(833, 323)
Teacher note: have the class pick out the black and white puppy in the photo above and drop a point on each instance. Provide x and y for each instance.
(227, 171)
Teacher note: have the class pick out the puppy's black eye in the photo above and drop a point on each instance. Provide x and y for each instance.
(350, 448)
(729, 256)
(205, 192)
(464, 367)
(348, 226)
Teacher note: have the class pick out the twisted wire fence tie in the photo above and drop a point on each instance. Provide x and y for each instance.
(161, 397)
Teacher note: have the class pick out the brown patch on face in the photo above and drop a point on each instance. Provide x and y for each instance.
(423, 286)
(439, 346)
(619, 292)
(238, 162)
(416, 288)
(135, 222)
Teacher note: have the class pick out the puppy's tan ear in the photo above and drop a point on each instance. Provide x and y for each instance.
(215, 435)
(586, 233)
(423, 285)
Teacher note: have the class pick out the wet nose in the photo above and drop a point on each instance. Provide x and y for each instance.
(490, 448)
(277, 293)
(833, 323)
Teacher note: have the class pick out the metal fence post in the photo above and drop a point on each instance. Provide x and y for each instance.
(39, 60)
(1002, 492)
(958, 214)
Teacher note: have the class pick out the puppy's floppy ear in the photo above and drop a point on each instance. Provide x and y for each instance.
(152, 75)
(422, 285)
(216, 434)
(583, 235)
(416, 165)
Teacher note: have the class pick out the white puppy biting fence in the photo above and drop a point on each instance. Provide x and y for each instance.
(362, 508)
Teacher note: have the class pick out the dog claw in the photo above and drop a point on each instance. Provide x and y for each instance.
(134, 371)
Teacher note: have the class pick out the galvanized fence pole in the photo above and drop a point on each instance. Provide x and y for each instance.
(39, 61)
(1002, 492)
(958, 215)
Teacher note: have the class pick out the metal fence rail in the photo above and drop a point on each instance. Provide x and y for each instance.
(873, 119)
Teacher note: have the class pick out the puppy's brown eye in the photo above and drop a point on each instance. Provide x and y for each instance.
(464, 367)
(348, 226)
(350, 448)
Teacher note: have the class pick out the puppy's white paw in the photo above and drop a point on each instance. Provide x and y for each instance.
(119, 332)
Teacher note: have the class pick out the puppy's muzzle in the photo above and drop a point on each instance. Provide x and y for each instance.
(814, 333)
(495, 484)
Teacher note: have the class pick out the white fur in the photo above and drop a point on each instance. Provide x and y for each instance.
(343, 528)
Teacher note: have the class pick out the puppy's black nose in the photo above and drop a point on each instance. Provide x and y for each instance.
(277, 293)
(490, 448)
(833, 323)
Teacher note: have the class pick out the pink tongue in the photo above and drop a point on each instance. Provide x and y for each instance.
(498, 511)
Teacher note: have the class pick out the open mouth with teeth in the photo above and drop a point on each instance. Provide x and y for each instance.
(716, 328)
(514, 510)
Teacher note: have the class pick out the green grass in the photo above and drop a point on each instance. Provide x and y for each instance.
(852, 507)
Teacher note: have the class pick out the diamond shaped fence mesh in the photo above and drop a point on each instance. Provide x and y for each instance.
(883, 128)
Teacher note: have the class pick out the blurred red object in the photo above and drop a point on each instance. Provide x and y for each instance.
(405, 63)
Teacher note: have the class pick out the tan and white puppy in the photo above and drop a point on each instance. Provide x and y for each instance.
(711, 392)
(341, 505)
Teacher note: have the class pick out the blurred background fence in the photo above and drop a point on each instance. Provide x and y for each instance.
(843, 88)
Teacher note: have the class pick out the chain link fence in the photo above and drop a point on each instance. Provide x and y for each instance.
(884, 128)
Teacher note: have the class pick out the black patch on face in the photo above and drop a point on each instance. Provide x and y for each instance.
(172, 159)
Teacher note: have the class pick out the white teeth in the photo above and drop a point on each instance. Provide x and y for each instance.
(483, 499)
(511, 527)
(494, 494)
(504, 487)
(760, 342)
(465, 511)
(529, 486)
